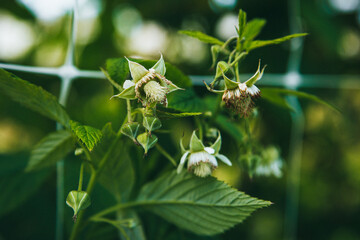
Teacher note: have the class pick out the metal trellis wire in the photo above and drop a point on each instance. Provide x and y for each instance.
(68, 72)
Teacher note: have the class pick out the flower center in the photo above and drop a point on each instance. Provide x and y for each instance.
(203, 169)
(154, 91)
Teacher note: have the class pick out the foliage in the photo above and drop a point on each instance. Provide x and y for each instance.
(131, 176)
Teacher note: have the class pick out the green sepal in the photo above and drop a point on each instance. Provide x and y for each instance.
(170, 86)
(130, 130)
(151, 123)
(159, 67)
(215, 50)
(229, 84)
(221, 67)
(137, 70)
(147, 141)
(213, 90)
(182, 148)
(128, 93)
(195, 143)
(217, 144)
(78, 200)
(256, 77)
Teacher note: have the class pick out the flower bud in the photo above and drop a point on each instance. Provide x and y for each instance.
(78, 200)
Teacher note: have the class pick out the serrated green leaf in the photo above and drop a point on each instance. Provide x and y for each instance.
(33, 97)
(51, 149)
(204, 206)
(242, 23)
(88, 135)
(202, 37)
(281, 91)
(163, 114)
(117, 175)
(262, 43)
(253, 28)
(118, 69)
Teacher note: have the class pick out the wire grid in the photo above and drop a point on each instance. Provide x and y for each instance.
(292, 79)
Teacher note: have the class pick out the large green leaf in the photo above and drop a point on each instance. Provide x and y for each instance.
(263, 43)
(51, 149)
(186, 101)
(203, 37)
(253, 28)
(17, 186)
(118, 70)
(88, 135)
(117, 175)
(279, 92)
(33, 97)
(204, 206)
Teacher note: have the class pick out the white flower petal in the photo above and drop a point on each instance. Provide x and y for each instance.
(182, 162)
(243, 87)
(253, 90)
(209, 150)
(213, 161)
(224, 159)
(128, 83)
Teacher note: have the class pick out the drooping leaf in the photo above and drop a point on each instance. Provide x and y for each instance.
(276, 99)
(33, 97)
(118, 69)
(17, 186)
(88, 135)
(262, 43)
(204, 206)
(117, 175)
(51, 149)
(203, 37)
(281, 91)
(163, 114)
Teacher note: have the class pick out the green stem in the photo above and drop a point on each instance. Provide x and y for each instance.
(200, 127)
(81, 177)
(166, 154)
(237, 72)
(128, 110)
(94, 174)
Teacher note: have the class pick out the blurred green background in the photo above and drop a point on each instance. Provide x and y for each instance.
(35, 33)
